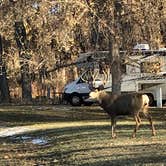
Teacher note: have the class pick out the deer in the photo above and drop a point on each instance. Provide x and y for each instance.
(126, 104)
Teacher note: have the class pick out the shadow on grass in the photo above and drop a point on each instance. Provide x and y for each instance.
(83, 145)
(90, 145)
(138, 159)
(30, 115)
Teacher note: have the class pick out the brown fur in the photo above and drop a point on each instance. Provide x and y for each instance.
(128, 104)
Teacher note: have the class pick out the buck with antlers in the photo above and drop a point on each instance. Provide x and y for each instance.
(128, 104)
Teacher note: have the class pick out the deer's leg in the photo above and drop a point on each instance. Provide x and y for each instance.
(139, 119)
(148, 116)
(138, 122)
(113, 125)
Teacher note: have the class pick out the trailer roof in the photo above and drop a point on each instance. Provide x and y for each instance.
(102, 55)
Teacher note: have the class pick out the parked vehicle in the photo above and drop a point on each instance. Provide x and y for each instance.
(78, 91)
(138, 77)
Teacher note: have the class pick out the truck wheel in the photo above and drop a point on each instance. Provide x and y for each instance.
(76, 100)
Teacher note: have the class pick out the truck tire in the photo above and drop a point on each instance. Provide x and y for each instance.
(76, 100)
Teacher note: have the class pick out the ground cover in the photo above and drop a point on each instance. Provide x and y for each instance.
(64, 136)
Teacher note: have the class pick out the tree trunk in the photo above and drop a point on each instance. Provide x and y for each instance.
(26, 83)
(20, 36)
(4, 88)
(114, 50)
(115, 67)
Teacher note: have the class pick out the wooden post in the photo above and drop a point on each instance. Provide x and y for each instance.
(159, 97)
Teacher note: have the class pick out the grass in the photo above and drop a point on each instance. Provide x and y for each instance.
(78, 136)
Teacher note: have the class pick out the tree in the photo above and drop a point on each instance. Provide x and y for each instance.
(4, 88)
(114, 48)
(55, 32)
(22, 43)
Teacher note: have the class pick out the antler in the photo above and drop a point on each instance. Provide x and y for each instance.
(100, 74)
(106, 73)
(94, 75)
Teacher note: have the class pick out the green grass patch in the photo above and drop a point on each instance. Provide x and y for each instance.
(78, 136)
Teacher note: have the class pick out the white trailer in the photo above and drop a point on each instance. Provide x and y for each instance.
(138, 76)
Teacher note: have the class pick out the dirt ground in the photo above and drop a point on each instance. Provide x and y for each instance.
(77, 136)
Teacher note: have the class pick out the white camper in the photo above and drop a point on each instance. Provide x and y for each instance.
(138, 77)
